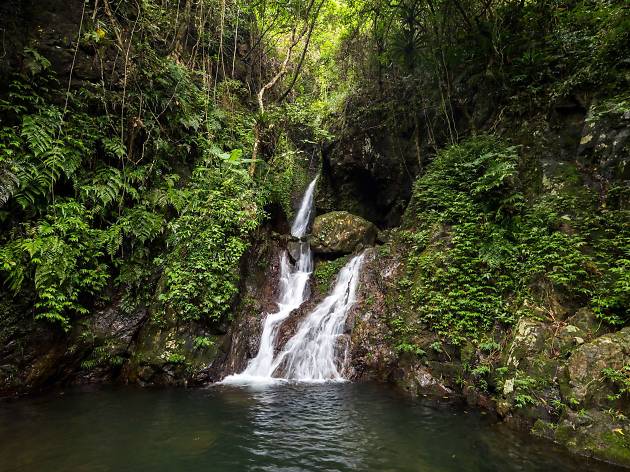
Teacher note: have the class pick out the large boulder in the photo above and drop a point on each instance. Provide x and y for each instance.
(340, 232)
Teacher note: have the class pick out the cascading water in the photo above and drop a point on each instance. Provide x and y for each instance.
(293, 292)
(311, 354)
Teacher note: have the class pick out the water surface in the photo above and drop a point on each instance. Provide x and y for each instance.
(285, 427)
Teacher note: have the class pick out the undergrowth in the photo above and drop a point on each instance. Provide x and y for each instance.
(481, 252)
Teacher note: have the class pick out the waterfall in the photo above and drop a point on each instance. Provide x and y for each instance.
(303, 217)
(311, 354)
(293, 292)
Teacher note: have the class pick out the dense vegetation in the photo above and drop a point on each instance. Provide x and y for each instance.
(139, 169)
(492, 233)
(484, 251)
(138, 179)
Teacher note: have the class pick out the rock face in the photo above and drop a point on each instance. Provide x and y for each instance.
(605, 143)
(584, 370)
(259, 295)
(340, 232)
(168, 352)
(50, 26)
(364, 174)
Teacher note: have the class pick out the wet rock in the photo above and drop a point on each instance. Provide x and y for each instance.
(340, 232)
(586, 383)
(592, 433)
(107, 341)
(114, 323)
(170, 352)
(372, 355)
(259, 295)
(530, 338)
(418, 380)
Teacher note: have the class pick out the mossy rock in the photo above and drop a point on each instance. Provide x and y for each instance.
(530, 339)
(170, 352)
(592, 433)
(326, 272)
(586, 383)
(340, 232)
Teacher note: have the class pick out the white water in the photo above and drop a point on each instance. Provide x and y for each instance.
(311, 354)
(303, 217)
(293, 292)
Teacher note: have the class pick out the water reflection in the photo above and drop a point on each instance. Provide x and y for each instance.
(282, 427)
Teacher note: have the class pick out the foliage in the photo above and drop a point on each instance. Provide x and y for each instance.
(405, 347)
(206, 243)
(202, 342)
(326, 272)
(620, 378)
(95, 186)
(61, 255)
(480, 252)
(103, 356)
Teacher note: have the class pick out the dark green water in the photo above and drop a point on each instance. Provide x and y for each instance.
(326, 427)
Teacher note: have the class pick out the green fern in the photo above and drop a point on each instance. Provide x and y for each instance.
(40, 130)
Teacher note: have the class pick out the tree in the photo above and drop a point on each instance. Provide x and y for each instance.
(298, 23)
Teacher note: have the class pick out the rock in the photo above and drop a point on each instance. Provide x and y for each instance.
(605, 143)
(592, 433)
(586, 383)
(113, 323)
(568, 337)
(587, 322)
(372, 355)
(340, 232)
(367, 169)
(107, 341)
(418, 380)
(530, 338)
(170, 352)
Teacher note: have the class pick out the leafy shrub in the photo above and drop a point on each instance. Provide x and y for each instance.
(206, 242)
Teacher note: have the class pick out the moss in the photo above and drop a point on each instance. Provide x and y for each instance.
(468, 352)
(326, 271)
(544, 429)
(340, 232)
(565, 434)
(615, 448)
